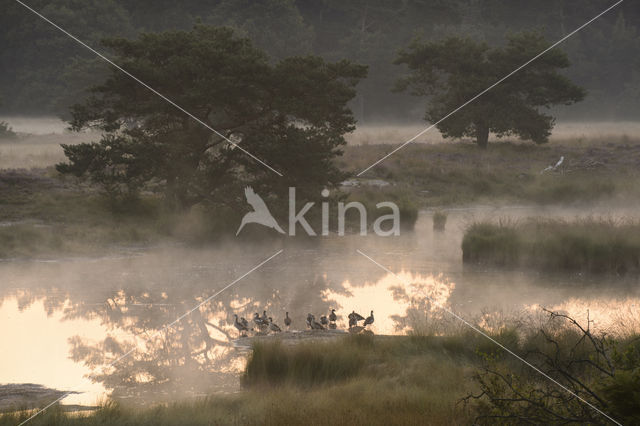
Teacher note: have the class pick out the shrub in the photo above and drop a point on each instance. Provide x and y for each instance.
(489, 243)
(589, 245)
(6, 132)
(439, 220)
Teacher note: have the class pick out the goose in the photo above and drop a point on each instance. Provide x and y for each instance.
(287, 320)
(273, 326)
(324, 320)
(239, 326)
(244, 322)
(356, 316)
(369, 320)
(257, 320)
(265, 318)
(332, 316)
(310, 319)
(315, 325)
(352, 321)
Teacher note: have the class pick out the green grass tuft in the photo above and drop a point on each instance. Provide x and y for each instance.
(587, 245)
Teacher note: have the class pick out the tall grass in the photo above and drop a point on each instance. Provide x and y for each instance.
(359, 380)
(439, 220)
(587, 245)
(307, 365)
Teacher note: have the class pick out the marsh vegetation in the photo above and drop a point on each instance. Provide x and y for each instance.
(508, 295)
(391, 380)
(588, 245)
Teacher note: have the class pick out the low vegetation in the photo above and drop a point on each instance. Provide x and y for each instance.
(43, 212)
(459, 378)
(360, 380)
(439, 220)
(585, 245)
(6, 132)
(447, 174)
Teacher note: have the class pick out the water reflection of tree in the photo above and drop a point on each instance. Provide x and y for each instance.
(196, 355)
(424, 301)
(193, 356)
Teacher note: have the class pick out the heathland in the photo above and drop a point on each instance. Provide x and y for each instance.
(45, 213)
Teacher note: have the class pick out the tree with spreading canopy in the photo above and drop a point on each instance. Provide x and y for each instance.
(453, 71)
(291, 114)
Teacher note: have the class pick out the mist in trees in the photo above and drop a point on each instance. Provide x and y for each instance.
(44, 72)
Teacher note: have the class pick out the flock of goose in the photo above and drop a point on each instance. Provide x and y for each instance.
(264, 324)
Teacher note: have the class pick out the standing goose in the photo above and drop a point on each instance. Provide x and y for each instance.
(257, 320)
(239, 326)
(265, 318)
(244, 322)
(273, 326)
(315, 325)
(287, 320)
(332, 316)
(310, 320)
(352, 321)
(369, 320)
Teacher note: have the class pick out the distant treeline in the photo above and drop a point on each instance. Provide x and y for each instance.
(42, 71)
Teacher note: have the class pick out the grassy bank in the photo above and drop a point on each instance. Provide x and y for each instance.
(459, 173)
(43, 214)
(358, 380)
(588, 245)
(389, 380)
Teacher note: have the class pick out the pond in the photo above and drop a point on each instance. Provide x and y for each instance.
(98, 326)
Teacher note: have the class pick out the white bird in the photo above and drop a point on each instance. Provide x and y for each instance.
(260, 213)
(550, 168)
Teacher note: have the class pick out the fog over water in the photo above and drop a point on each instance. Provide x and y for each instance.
(71, 317)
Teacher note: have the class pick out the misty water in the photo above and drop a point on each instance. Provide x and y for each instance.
(62, 320)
